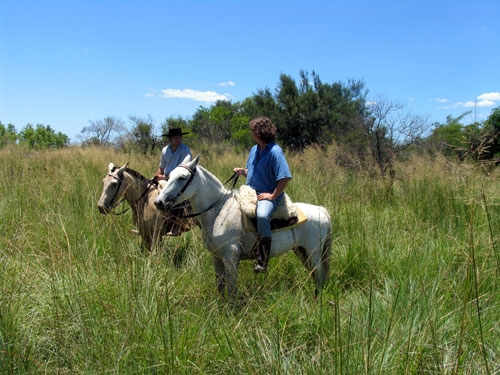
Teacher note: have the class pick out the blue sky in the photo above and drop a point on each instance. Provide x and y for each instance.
(65, 63)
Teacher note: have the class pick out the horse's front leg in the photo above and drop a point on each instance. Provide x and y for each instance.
(146, 241)
(231, 274)
(219, 274)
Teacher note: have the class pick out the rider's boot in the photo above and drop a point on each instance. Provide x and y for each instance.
(264, 249)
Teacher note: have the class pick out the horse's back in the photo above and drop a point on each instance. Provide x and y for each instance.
(316, 213)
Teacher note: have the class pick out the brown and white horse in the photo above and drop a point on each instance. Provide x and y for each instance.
(122, 183)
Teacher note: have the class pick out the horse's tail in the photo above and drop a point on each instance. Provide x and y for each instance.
(325, 252)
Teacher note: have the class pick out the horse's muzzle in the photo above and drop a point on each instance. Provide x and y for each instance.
(161, 205)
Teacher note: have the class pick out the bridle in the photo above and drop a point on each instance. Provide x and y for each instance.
(120, 181)
(192, 172)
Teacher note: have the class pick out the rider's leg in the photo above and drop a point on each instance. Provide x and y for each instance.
(265, 209)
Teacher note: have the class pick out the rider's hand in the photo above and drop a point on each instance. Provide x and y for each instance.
(240, 171)
(265, 196)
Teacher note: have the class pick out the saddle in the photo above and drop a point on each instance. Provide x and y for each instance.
(285, 215)
(161, 184)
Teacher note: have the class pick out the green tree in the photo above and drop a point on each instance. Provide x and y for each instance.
(214, 124)
(262, 103)
(290, 122)
(240, 132)
(8, 134)
(450, 138)
(43, 136)
(314, 112)
(493, 121)
(492, 134)
(142, 134)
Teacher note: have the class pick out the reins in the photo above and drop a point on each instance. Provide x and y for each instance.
(151, 183)
(233, 178)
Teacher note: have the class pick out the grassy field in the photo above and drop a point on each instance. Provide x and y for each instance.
(413, 289)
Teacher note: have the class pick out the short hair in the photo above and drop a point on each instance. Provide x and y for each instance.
(264, 128)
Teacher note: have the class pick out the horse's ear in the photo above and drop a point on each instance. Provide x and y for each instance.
(110, 167)
(187, 159)
(195, 161)
(122, 168)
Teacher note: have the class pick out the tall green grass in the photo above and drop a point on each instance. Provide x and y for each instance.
(413, 286)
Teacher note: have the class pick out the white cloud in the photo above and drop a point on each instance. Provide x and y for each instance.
(485, 103)
(201, 96)
(228, 83)
(488, 99)
(490, 96)
(440, 100)
(468, 104)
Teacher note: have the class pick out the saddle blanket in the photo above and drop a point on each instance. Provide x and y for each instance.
(277, 224)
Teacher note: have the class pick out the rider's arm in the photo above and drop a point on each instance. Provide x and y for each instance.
(280, 187)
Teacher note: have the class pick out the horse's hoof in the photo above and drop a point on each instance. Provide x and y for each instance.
(259, 269)
(172, 234)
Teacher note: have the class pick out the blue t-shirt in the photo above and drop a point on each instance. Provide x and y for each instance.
(170, 159)
(266, 168)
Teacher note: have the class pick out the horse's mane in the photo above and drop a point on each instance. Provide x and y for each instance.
(210, 175)
(135, 174)
(131, 172)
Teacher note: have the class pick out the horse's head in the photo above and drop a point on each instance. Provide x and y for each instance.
(112, 189)
(178, 187)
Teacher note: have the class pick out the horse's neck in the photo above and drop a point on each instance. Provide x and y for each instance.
(134, 188)
(210, 190)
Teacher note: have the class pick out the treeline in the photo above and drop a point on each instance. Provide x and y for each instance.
(40, 136)
(307, 112)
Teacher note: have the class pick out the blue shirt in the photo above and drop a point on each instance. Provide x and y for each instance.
(170, 159)
(266, 168)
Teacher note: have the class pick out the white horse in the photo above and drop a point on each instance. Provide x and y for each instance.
(224, 231)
